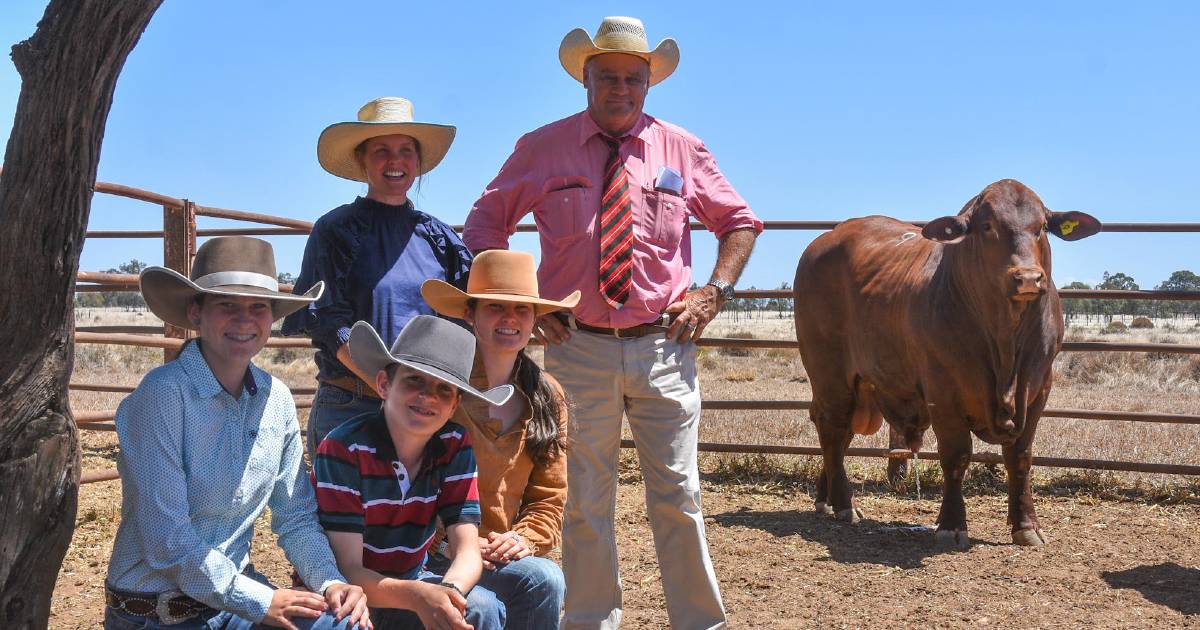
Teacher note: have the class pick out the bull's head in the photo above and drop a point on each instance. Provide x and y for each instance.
(1003, 230)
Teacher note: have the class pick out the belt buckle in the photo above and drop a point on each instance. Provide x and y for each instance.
(163, 609)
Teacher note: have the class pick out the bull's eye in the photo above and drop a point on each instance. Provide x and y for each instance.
(987, 227)
(1045, 228)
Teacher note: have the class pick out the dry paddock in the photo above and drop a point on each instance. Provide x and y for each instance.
(1124, 549)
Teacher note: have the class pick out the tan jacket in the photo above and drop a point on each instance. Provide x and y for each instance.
(513, 493)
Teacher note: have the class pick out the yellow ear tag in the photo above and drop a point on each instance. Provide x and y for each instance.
(1066, 227)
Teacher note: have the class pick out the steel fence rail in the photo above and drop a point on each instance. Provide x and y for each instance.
(149, 341)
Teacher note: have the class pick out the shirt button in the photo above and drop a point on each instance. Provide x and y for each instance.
(238, 494)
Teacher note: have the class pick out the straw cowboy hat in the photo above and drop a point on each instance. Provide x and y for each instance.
(227, 265)
(383, 116)
(496, 274)
(427, 344)
(618, 35)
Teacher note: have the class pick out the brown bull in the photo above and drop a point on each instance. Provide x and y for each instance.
(953, 326)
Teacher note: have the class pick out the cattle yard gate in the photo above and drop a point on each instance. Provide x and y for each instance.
(179, 236)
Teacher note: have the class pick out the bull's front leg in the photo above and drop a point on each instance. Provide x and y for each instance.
(838, 497)
(897, 467)
(1018, 461)
(954, 451)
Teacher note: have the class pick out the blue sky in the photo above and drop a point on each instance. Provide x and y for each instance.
(814, 111)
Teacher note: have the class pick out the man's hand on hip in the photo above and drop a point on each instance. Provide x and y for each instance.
(695, 311)
(549, 329)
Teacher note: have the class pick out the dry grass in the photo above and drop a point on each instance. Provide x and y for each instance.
(1145, 382)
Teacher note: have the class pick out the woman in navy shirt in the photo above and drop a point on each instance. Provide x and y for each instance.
(373, 253)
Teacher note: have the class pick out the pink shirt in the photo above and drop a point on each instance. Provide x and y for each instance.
(557, 172)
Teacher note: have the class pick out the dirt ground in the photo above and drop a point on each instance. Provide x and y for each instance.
(1111, 562)
(1124, 549)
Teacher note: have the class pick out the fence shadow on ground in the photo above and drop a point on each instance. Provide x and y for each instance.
(1167, 584)
(892, 543)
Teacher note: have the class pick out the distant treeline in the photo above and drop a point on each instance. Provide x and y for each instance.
(1182, 280)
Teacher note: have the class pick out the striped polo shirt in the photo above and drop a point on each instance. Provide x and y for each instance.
(363, 488)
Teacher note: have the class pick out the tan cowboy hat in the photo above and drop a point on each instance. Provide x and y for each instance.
(618, 35)
(383, 116)
(427, 344)
(226, 265)
(496, 274)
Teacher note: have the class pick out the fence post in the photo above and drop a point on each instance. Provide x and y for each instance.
(179, 246)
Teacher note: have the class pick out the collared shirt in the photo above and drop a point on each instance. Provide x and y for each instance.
(363, 488)
(198, 467)
(516, 494)
(373, 258)
(557, 173)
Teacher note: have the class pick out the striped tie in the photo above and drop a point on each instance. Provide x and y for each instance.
(616, 230)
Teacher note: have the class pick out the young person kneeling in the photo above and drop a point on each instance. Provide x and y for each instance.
(208, 442)
(385, 477)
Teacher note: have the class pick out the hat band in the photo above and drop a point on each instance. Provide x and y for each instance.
(245, 278)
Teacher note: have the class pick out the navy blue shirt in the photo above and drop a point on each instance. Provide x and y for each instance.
(373, 258)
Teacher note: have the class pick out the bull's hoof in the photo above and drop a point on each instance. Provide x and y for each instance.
(956, 538)
(821, 507)
(850, 515)
(1029, 538)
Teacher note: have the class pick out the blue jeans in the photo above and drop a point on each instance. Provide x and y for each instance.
(484, 610)
(531, 589)
(331, 407)
(220, 620)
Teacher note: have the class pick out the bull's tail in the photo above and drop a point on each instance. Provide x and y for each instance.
(867, 418)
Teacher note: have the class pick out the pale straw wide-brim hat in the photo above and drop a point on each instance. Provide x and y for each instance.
(496, 274)
(238, 266)
(618, 35)
(427, 344)
(383, 116)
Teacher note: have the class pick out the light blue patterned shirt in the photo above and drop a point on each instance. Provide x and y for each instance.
(198, 467)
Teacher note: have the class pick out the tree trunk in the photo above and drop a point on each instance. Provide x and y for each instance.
(69, 70)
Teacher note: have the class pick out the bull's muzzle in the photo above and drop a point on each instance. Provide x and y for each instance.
(1028, 283)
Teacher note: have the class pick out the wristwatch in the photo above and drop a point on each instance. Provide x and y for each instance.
(724, 289)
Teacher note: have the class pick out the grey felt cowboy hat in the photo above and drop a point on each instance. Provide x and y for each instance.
(618, 35)
(427, 344)
(238, 266)
(383, 116)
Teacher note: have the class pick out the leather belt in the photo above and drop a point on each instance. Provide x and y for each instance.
(630, 332)
(352, 383)
(168, 608)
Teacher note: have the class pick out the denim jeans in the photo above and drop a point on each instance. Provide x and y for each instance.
(531, 589)
(484, 610)
(331, 407)
(220, 620)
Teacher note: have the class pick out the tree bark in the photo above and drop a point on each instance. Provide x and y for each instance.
(69, 70)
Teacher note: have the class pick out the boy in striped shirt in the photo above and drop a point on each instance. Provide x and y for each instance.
(384, 478)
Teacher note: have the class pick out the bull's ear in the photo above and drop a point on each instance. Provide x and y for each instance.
(945, 229)
(1072, 226)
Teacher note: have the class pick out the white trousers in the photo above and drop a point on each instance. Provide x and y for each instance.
(651, 381)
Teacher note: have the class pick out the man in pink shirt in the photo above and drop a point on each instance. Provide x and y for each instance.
(612, 191)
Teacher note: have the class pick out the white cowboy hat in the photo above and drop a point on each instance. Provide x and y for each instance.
(618, 35)
(383, 116)
(226, 265)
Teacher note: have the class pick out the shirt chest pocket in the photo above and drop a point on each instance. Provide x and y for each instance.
(567, 210)
(664, 219)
